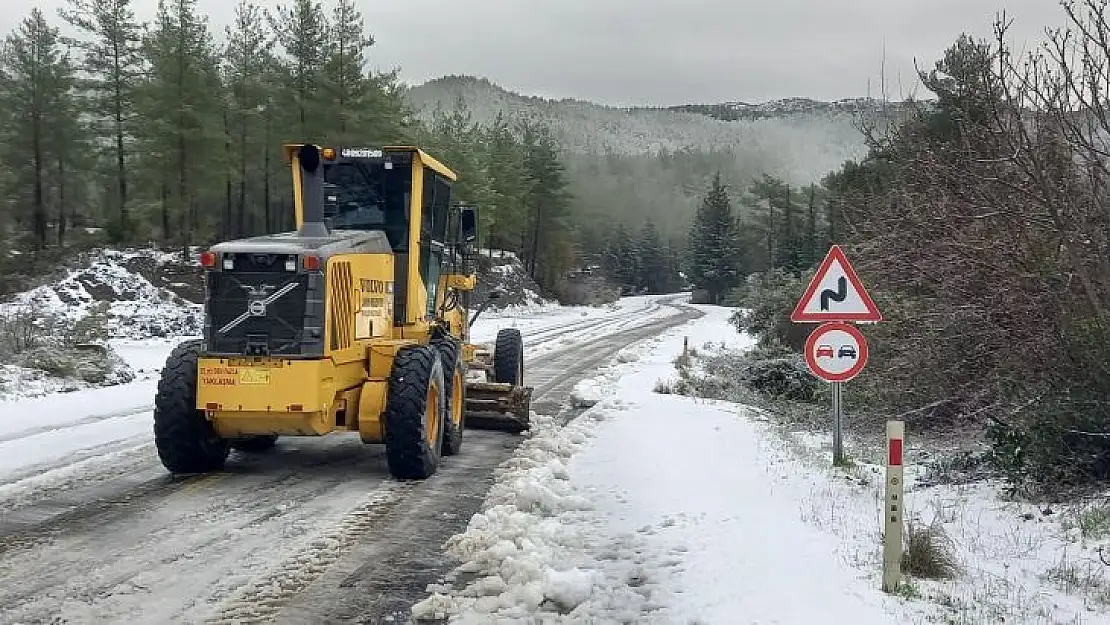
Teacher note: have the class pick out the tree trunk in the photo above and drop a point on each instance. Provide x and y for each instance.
(266, 203)
(39, 208)
(121, 171)
(535, 243)
(165, 211)
(61, 201)
(227, 221)
(242, 208)
(811, 227)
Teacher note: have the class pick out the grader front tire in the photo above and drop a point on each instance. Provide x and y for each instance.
(414, 413)
(454, 371)
(185, 439)
(508, 357)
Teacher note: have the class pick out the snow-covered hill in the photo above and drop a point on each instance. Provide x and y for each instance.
(802, 139)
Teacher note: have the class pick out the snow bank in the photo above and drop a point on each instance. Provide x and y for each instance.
(526, 557)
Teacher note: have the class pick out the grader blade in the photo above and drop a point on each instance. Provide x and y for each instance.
(492, 406)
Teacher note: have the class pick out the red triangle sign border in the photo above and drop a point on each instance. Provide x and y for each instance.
(837, 255)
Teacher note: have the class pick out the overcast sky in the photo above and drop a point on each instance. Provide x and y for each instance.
(651, 52)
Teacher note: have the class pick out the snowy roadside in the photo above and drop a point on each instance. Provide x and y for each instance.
(655, 508)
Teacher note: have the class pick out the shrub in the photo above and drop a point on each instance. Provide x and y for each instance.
(774, 372)
(766, 301)
(928, 552)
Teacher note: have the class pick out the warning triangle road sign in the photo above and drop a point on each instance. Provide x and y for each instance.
(835, 294)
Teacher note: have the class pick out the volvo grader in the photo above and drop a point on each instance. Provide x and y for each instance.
(356, 321)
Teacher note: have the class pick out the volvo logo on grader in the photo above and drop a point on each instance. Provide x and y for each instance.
(373, 286)
(404, 384)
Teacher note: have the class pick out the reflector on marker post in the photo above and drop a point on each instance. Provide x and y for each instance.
(894, 506)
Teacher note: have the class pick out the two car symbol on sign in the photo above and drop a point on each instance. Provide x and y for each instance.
(845, 351)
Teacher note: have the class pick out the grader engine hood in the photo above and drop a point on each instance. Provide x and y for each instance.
(267, 295)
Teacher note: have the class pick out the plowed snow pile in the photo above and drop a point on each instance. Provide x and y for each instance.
(134, 307)
(60, 337)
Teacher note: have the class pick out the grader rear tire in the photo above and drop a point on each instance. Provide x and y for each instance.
(508, 357)
(454, 371)
(414, 413)
(185, 439)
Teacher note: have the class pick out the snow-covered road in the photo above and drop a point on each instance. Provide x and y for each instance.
(92, 529)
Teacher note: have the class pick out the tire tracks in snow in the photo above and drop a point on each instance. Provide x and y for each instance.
(89, 420)
(262, 599)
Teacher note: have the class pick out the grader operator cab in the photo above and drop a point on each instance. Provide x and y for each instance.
(357, 321)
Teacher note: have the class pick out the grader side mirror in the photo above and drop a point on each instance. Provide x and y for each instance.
(468, 217)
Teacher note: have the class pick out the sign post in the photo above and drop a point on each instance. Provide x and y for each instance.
(892, 513)
(836, 351)
(838, 425)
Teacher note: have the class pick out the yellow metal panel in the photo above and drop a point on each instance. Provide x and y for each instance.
(289, 150)
(231, 424)
(381, 354)
(461, 282)
(360, 302)
(468, 350)
(419, 332)
(428, 160)
(298, 200)
(371, 405)
(416, 303)
(339, 333)
(265, 385)
(349, 403)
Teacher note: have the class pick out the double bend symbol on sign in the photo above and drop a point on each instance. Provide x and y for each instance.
(835, 294)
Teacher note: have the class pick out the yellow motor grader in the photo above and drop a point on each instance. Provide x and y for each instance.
(357, 322)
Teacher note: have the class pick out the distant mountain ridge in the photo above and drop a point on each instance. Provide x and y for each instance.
(730, 111)
(799, 139)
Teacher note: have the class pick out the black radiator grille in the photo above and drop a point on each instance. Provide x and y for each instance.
(279, 332)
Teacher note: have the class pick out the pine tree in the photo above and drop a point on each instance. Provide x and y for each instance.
(789, 254)
(714, 250)
(182, 114)
(247, 61)
(547, 202)
(302, 31)
(69, 143)
(509, 183)
(345, 84)
(810, 254)
(652, 264)
(622, 258)
(36, 91)
(672, 281)
(111, 41)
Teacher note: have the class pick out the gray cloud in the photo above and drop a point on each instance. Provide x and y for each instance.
(626, 52)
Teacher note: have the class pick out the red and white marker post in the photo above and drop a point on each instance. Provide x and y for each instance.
(892, 512)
